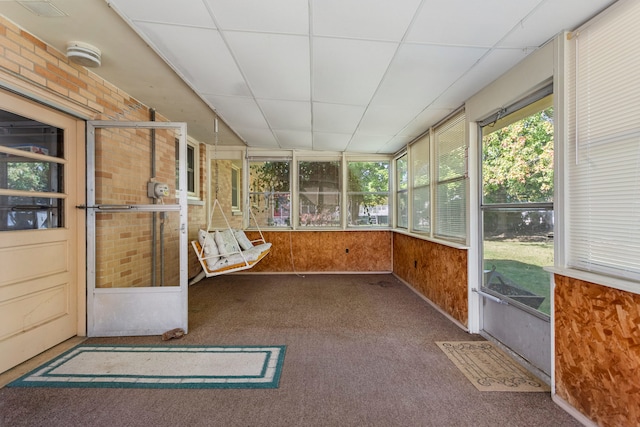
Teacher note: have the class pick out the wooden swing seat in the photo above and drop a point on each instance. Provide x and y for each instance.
(246, 263)
(230, 250)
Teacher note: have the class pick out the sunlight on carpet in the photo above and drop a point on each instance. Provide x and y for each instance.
(489, 368)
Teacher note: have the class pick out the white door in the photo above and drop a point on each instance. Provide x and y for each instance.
(42, 234)
(137, 228)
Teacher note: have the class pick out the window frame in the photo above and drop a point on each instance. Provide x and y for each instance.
(415, 162)
(349, 193)
(401, 189)
(339, 193)
(251, 194)
(441, 230)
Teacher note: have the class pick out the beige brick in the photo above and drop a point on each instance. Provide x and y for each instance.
(57, 88)
(20, 60)
(9, 65)
(32, 40)
(33, 57)
(36, 78)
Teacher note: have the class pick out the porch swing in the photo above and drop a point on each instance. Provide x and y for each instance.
(220, 248)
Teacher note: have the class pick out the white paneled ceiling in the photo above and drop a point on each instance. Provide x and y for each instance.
(339, 75)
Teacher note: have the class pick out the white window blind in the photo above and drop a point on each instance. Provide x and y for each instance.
(604, 144)
(451, 155)
(421, 188)
(402, 197)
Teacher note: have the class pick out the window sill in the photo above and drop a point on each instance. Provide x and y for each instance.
(598, 279)
(194, 202)
(431, 239)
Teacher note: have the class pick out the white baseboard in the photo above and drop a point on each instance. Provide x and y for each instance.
(573, 411)
(434, 305)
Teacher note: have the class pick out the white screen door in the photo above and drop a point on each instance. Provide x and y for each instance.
(137, 228)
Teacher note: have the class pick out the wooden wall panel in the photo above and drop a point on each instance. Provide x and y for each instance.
(437, 271)
(326, 251)
(597, 357)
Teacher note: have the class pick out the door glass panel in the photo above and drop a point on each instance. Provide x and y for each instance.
(28, 164)
(517, 206)
(129, 253)
(138, 229)
(517, 245)
(30, 213)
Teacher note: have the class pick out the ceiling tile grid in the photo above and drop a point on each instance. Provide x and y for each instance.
(327, 75)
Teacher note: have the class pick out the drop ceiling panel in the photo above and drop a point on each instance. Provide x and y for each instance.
(260, 138)
(336, 118)
(275, 16)
(386, 120)
(348, 71)
(420, 73)
(293, 115)
(484, 72)
(363, 19)
(294, 140)
(551, 18)
(425, 119)
(329, 141)
(263, 67)
(396, 144)
(242, 112)
(468, 23)
(199, 55)
(361, 143)
(192, 13)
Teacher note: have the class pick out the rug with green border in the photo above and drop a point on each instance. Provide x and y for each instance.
(163, 366)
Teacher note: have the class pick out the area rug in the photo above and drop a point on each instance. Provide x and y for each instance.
(489, 368)
(166, 366)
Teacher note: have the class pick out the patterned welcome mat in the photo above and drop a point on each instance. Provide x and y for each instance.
(489, 368)
(160, 367)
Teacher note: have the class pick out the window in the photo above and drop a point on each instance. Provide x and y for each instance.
(517, 202)
(402, 191)
(319, 193)
(603, 159)
(270, 191)
(368, 193)
(32, 173)
(193, 167)
(421, 188)
(236, 188)
(451, 174)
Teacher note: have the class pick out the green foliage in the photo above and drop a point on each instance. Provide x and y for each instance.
(369, 177)
(28, 176)
(270, 176)
(518, 161)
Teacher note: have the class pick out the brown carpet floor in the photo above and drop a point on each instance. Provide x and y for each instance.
(361, 351)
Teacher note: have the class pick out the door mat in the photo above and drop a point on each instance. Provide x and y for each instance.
(489, 368)
(166, 366)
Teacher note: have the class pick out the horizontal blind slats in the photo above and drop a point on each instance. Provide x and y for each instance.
(604, 158)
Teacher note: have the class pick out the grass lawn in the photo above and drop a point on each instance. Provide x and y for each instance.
(522, 263)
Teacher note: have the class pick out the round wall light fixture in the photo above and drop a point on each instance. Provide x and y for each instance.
(84, 54)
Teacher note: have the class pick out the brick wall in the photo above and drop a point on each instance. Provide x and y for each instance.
(125, 245)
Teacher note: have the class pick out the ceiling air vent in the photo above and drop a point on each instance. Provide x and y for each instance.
(42, 8)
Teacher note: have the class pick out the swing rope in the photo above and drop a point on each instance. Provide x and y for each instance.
(215, 155)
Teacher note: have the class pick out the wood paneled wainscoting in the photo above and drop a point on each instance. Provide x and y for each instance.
(436, 271)
(597, 357)
(326, 251)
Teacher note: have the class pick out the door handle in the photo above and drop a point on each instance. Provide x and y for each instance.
(106, 207)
